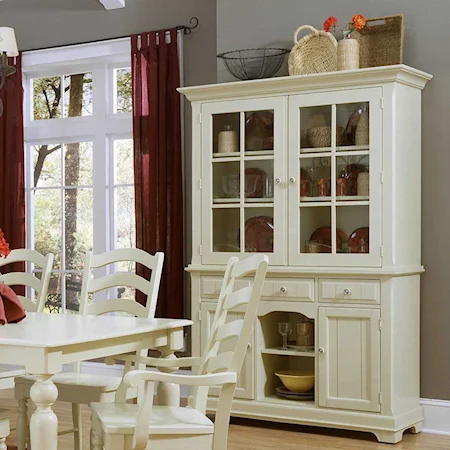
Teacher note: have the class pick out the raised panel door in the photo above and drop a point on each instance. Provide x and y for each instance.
(349, 358)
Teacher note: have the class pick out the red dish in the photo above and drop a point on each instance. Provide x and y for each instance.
(323, 235)
(259, 234)
(255, 180)
(354, 243)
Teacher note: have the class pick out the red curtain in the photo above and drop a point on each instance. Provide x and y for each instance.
(158, 161)
(12, 178)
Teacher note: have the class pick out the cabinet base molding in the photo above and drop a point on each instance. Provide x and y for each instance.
(387, 429)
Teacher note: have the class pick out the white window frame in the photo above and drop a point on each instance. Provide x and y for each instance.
(101, 128)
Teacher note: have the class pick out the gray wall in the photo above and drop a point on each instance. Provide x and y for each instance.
(50, 23)
(253, 23)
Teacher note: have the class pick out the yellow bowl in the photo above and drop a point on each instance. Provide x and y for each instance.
(296, 380)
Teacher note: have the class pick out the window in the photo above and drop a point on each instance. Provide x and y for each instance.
(79, 160)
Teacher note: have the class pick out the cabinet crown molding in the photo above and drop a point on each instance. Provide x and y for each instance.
(328, 80)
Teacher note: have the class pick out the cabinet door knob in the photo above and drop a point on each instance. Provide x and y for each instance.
(283, 289)
(249, 345)
(347, 291)
(321, 350)
(292, 180)
(277, 180)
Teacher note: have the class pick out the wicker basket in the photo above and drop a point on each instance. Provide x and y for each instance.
(321, 136)
(313, 53)
(381, 42)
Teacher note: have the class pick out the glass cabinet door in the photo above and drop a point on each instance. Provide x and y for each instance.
(335, 178)
(243, 166)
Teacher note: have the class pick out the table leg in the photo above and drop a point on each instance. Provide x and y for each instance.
(168, 393)
(44, 423)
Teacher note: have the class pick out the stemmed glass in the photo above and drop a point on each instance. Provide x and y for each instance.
(285, 329)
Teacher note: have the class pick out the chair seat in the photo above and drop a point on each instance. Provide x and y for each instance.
(7, 371)
(118, 418)
(99, 382)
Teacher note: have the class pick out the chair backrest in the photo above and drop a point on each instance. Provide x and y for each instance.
(149, 287)
(39, 286)
(244, 300)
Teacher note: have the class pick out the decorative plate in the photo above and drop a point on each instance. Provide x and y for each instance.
(323, 235)
(286, 393)
(354, 243)
(259, 234)
(255, 182)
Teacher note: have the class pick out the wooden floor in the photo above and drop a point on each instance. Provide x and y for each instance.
(251, 435)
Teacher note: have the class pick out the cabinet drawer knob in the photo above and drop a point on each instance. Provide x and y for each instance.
(277, 180)
(283, 289)
(347, 291)
(321, 350)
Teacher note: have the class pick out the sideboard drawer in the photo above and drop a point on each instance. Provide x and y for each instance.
(273, 288)
(301, 290)
(344, 291)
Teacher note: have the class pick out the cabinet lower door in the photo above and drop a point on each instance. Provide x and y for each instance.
(349, 358)
(245, 385)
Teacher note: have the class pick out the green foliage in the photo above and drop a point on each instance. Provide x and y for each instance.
(124, 90)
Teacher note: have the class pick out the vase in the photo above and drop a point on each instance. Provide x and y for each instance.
(348, 54)
(362, 129)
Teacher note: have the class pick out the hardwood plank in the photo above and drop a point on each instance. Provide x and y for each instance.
(251, 434)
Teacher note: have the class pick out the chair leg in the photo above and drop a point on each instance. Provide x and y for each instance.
(22, 429)
(77, 424)
(3, 444)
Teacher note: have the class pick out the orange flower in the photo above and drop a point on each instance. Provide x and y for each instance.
(4, 247)
(330, 23)
(359, 21)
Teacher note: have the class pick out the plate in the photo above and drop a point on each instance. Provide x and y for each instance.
(286, 393)
(323, 235)
(259, 234)
(354, 243)
(255, 182)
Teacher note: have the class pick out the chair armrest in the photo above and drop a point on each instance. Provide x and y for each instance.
(157, 362)
(135, 376)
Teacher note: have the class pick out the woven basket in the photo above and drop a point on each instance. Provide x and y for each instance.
(313, 53)
(321, 136)
(381, 42)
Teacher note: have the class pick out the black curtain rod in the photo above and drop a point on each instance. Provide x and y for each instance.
(187, 30)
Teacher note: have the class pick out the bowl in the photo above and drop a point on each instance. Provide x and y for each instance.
(296, 380)
(321, 136)
(254, 63)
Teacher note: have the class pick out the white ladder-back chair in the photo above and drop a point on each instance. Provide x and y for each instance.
(81, 388)
(124, 426)
(33, 284)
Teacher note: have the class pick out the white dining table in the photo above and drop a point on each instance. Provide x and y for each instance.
(44, 342)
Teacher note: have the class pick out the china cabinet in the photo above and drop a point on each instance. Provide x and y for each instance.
(323, 174)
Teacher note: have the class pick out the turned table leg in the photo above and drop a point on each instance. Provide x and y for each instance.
(44, 423)
(168, 393)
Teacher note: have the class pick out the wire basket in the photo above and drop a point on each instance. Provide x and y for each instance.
(254, 63)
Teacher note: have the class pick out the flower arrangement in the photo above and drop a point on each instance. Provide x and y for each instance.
(4, 246)
(358, 23)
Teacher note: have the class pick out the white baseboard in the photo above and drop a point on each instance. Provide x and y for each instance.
(437, 416)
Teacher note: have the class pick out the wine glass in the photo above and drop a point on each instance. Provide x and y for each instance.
(285, 329)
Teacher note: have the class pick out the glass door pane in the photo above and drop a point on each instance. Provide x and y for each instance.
(243, 195)
(336, 203)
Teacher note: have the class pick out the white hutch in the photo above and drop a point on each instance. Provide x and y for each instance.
(322, 173)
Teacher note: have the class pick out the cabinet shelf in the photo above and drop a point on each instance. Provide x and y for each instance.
(278, 351)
